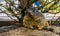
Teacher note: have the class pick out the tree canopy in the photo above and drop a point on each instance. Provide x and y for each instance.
(22, 5)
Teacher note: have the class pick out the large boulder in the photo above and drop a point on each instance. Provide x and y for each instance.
(27, 32)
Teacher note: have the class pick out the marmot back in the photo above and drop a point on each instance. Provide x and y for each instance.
(35, 19)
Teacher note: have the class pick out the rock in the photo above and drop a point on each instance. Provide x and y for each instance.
(28, 32)
(56, 29)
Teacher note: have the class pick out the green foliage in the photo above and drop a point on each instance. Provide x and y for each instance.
(58, 8)
(46, 6)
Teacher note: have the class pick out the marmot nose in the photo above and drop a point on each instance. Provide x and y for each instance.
(32, 14)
